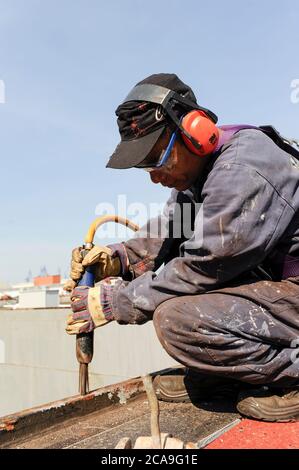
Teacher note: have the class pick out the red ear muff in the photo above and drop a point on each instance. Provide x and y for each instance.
(202, 130)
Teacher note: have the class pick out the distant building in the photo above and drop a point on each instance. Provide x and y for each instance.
(39, 297)
(47, 280)
(43, 292)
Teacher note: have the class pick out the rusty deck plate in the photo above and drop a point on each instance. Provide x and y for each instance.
(100, 419)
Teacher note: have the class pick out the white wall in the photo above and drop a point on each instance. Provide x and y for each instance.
(40, 362)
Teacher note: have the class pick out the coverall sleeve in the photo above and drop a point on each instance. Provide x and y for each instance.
(241, 219)
(153, 243)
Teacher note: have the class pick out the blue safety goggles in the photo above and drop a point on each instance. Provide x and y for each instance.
(165, 154)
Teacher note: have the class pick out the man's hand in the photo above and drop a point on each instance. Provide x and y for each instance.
(91, 308)
(105, 265)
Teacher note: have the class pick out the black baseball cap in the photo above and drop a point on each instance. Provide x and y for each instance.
(142, 123)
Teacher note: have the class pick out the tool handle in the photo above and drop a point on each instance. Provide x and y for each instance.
(88, 277)
(84, 343)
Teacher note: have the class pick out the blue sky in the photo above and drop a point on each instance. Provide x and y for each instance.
(66, 66)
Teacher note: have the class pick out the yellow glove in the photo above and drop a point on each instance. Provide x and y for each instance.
(101, 257)
(107, 266)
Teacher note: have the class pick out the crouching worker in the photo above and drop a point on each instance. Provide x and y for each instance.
(226, 303)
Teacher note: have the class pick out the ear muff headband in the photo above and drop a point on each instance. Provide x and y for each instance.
(167, 99)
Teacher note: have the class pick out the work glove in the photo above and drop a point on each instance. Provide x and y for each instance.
(91, 307)
(101, 257)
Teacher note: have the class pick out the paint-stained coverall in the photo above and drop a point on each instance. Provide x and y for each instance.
(213, 309)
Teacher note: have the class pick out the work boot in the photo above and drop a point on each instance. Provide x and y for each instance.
(185, 385)
(264, 405)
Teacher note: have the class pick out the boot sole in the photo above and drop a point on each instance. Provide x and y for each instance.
(264, 413)
(221, 393)
(173, 399)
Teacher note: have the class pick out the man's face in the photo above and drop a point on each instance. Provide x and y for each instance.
(182, 168)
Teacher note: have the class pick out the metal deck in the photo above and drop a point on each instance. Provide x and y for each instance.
(99, 420)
